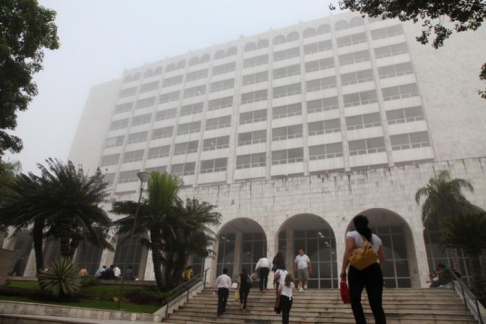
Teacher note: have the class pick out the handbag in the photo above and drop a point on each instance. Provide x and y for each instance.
(345, 292)
(254, 276)
(277, 307)
(362, 258)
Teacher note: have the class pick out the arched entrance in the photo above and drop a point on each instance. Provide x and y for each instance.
(89, 256)
(241, 243)
(137, 256)
(316, 237)
(401, 269)
(22, 246)
(52, 251)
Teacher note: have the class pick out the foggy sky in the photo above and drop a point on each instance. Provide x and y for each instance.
(99, 39)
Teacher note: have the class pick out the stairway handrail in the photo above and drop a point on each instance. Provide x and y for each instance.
(470, 300)
(185, 287)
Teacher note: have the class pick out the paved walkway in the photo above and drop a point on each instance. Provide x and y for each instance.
(56, 319)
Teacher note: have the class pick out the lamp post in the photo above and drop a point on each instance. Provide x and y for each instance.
(144, 177)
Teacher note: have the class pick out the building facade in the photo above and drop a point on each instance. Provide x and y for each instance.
(293, 132)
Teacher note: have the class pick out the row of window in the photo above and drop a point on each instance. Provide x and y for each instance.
(322, 64)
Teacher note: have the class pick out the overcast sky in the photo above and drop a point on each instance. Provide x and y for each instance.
(101, 38)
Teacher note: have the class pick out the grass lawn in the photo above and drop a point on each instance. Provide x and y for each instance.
(108, 292)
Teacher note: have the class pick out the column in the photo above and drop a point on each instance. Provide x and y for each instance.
(238, 249)
(422, 262)
(149, 267)
(289, 251)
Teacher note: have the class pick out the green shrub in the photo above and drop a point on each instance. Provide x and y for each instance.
(89, 281)
(147, 295)
(61, 278)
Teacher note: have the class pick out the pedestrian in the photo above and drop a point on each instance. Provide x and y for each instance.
(83, 273)
(279, 277)
(244, 285)
(303, 267)
(371, 277)
(129, 274)
(263, 268)
(17, 269)
(222, 286)
(285, 291)
(188, 273)
(445, 274)
(278, 262)
(117, 272)
(99, 272)
(109, 273)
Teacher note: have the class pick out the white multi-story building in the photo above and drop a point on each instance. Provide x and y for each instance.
(293, 132)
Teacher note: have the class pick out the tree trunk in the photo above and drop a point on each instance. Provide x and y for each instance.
(65, 241)
(37, 240)
(477, 282)
(156, 245)
(455, 259)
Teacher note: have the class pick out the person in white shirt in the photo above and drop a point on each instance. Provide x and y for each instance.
(100, 271)
(303, 267)
(263, 269)
(117, 272)
(285, 291)
(281, 274)
(222, 286)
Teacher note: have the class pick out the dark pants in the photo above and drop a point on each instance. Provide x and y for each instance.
(286, 305)
(222, 300)
(372, 279)
(244, 296)
(263, 278)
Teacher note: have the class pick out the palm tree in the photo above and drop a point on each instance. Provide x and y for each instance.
(468, 232)
(156, 214)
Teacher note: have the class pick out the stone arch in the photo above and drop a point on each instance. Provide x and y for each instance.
(136, 76)
(356, 21)
(292, 36)
(171, 67)
(136, 257)
(231, 51)
(158, 70)
(219, 55)
(401, 267)
(316, 236)
(280, 39)
(241, 242)
(194, 61)
(340, 25)
(309, 32)
(88, 255)
(181, 64)
(250, 47)
(205, 58)
(263, 43)
(148, 73)
(21, 244)
(323, 29)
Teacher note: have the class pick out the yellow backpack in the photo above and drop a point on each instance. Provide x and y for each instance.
(361, 258)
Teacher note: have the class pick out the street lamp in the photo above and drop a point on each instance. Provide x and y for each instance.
(144, 177)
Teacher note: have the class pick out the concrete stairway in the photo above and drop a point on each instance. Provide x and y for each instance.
(424, 306)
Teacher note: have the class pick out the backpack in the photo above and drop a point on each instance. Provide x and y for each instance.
(249, 282)
(362, 258)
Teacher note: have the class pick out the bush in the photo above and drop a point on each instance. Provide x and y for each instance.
(89, 281)
(34, 294)
(61, 278)
(147, 295)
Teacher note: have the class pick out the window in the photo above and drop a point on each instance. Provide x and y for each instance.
(254, 96)
(387, 32)
(363, 121)
(205, 58)
(391, 71)
(286, 71)
(360, 98)
(224, 68)
(323, 29)
(195, 91)
(159, 152)
(287, 90)
(318, 47)
(391, 50)
(355, 57)
(183, 169)
(255, 78)
(115, 141)
(166, 114)
(288, 132)
(194, 61)
(250, 47)
(321, 84)
(222, 85)
(253, 116)
(287, 111)
(321, 105)
(263, 43)
(322, 64)
(162, 132)
(400, 92)
(144, 103)
(192, 109)
(356, 21)
(327, 151)
(288, 156)
(160, 169)
(340, 25)
(169, 97)
(280, 39)
(137, 137)
(123, 107)
(119, 124)
(197, 75)
(128, 176)
(219, 122)
(169, 82)
(324, 127)
(252, 138)
(128, 92)
(408, 141)
(220, 103)
(351, 40)
(133, 156)
(142, 119)
(405, 115)
(109, 177)
(356, 77)
(189, 128)
(216, 143)
(110, 159)
(231, 51)
(367, 146)
(219, 55)
(293, 36)
(216, 165)
(255, 61)
(186, 148)
(149, 86)
(309, 32)
(250, 161)
(286, 54)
